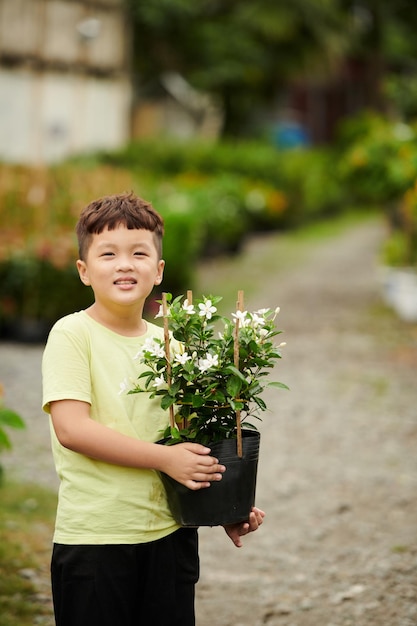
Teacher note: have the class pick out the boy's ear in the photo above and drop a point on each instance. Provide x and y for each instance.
(83, 273)
(160, 275)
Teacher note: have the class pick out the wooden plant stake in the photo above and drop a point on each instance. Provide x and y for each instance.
(167, 353)
(239, 307)
(190, 301)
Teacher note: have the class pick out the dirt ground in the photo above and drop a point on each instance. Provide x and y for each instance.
(338, 468)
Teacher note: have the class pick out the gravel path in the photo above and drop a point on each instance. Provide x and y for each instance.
(338, 468)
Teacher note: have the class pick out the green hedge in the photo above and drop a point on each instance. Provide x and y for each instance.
(305, 177)
(212, 196)
(34, 293)
(378, 159)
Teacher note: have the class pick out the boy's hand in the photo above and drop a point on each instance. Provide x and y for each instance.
(191, 465)
(236, 531)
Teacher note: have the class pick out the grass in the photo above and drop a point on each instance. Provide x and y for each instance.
(26, 523)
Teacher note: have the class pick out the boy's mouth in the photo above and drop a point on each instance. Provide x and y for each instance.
(125, 281)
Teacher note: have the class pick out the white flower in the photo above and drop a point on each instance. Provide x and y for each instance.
(159, 382)
(124, 386)
(262, 332)
(206, 309)
(158, 351)
(160, 312)
(277, 310)
(262, 312)
(257, 320)
(211, 360)
(189, 308)
(139, 354)
(152, 346)
(182, 358)
(242, 317)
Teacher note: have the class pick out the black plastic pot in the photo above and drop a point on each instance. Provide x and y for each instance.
(228, 501)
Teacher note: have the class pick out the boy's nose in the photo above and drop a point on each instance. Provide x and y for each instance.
(124, 265)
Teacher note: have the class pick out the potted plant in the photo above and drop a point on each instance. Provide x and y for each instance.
(212, 384)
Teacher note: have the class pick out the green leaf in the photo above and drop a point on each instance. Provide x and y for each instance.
(4, 441)
(167, 401)
(218, 396)
(197, 401)
(234, 385)
(144, 374)
(175, 387)
(231, 369)
(277, 385)
(249, 426)
(175, 433)
(11, 418)
(237, 405)
(261, 404)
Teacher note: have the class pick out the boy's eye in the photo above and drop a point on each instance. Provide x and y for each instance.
(107, 254)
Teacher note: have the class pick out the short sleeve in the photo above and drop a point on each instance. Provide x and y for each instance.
(66, 366)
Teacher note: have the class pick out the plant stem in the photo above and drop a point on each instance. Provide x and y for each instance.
(167, 353)
(239, 307)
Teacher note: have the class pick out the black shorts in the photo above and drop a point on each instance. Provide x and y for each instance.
(127, 585)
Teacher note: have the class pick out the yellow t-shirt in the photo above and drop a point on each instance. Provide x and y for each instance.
(100, 503)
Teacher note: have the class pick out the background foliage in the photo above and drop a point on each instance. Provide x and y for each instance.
(245, 52)
(212, 198)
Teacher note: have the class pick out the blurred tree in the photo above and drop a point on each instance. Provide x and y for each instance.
(383, 36)
(246, 51)
(243, 51)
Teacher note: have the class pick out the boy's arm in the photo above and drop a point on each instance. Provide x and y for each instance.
(188, 463)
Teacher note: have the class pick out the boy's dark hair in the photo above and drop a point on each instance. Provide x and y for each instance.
(109, 212)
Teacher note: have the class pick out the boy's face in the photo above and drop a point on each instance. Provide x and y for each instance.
(121, 266)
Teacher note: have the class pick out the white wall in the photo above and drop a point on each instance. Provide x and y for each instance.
(47, 117)
(51, 30)
(63, 90)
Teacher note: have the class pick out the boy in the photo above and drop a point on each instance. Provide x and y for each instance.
(119, 559)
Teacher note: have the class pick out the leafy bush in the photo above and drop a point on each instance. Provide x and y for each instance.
(282, 187)
(210, 195)
(170, 157)
(379, 165)
(34, 293)
(400, 246)
(216, 208)
(8, 419)
(312, 186)
(38, 208)
(378, 160)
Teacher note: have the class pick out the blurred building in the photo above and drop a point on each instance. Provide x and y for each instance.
(172, 107)
(323, 103)
(65, 84)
